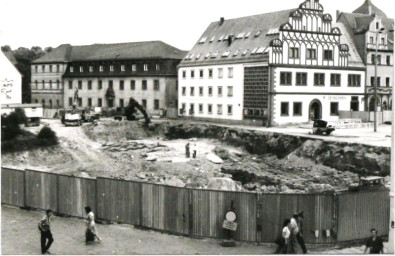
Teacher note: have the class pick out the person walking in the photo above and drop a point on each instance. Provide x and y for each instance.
(294, 228)
(374, 243)
(283, 241)
(299, 235)
(187, 150)
(194, 151)
(45, 228)
(91, 231)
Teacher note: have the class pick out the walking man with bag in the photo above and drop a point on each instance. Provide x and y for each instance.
(45, 228)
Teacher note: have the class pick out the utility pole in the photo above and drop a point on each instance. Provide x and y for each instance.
(375, 77)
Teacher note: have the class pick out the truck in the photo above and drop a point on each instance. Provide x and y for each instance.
(369, 183)
(33, 112)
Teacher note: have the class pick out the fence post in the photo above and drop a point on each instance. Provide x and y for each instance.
(140, 204)
(24, 189)
(190, 212)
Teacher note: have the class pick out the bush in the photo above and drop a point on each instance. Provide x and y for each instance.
(10, 124)
(47, 137)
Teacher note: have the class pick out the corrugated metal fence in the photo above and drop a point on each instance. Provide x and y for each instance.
(328, 218)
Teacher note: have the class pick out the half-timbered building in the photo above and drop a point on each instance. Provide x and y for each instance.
(278, 68)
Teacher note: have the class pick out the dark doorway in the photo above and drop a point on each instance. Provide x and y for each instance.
(315, 110)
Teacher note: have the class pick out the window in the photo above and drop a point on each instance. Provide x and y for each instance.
(70, 85)
(89, 85)
(334, 108)
(354, 103)
(71, 69)
(373, 59)
(79, 102)
(36, 69)
(219, 109)
(50, 84)
(210, 108)
(121, 103)
(284, 108)
(57, 103)
(123, 68)
(319, 79)
(156, 104)
(144, 85)
(192, 91)
(157, 67)
(101, 68)
(200, 108)
(294, 52)
(111, 68)
(355, 80)
(50, 68)
(388, 60)
(145, 67)
(379, 59)
(230, 72)
(99, 102)
(90, 68)
(328, 55)
(220, 73)
(219, 91)
(201, 73)
(184, 74)
(230, 109)
(382, 41)
(377, 25)
(285, 78)
(184, 89)
(192, 73)
(156, 85)
(335, 79)
(144, 103)
(210, 91)
(132, 85)
(43, 68)
(201, 91)
(121, 85)
(81, 69)
(372, 80)
(79, 84)
(387, 82)
(110, 84)
(134, 67)
(230, 91)
(371, 40)
(301, 78)
(89, 102)
(297, 108)
(70, 101)
(191, 109)
(378, 81)
(36, 84)
(100, 84)
(210, 73)
(311, 54)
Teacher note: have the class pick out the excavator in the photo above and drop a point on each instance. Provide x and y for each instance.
(130, 111)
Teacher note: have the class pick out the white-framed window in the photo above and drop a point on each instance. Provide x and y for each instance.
(90, 68)
(134, 67)
(123, 68)
(157, 66)
(111, 67)
(200, 108)
(230, 110)
(220, 72)
(210, 91)
(71, 69)
(230, 91)
(230, 72)
(210, 73)
(210, 108)
(81, 69)
(219, 91)
(145, 67)
(101, 68)
(201, 91)
(184, 74)
(219, 109)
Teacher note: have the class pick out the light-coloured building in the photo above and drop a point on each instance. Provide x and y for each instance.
(108, 75)
(10, 80)
(370, 28)
(278, 68)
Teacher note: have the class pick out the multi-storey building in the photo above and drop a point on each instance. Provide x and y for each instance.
(370, 29)
(108, 75)
(290, 66)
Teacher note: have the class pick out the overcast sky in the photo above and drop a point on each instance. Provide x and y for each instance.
(177, 22)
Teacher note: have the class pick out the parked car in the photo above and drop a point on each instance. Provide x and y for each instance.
(368, 184)
(321, 127)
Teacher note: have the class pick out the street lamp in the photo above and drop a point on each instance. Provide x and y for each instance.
(375, 78)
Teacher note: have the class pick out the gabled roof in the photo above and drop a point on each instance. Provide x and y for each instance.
(354, 58)
(369, 8)
(241, 27)
(121, 51)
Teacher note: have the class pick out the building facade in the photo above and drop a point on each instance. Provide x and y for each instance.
(370, 28)
(109, 75)
(278, 68)
(10, 80)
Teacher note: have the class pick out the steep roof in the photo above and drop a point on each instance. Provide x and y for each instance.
(369, 8)
(354, 58)
(10, 56)
(121, 51)
(245, 37)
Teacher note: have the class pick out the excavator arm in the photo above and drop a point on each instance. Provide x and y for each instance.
(131, 109)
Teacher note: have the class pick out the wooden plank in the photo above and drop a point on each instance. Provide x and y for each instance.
(41, 190)
(12, 187)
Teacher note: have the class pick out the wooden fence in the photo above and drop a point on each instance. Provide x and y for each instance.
(329, 218)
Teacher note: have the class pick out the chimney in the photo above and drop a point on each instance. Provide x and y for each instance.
(221, 21)
(230, 40)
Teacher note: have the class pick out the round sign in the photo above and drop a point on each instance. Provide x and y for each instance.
(231, 216)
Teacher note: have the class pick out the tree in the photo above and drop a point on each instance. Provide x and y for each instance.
(10, 124)
(6, 48)
(48, 49)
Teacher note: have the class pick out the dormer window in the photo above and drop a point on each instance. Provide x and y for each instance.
(111, 67)
(90, 68)
(202, 40)
(257, 33)
(245, 52)
(81, 69)
(212, 39)
(247, 35)
(101, 68)
(134, 67)
(71, 69)
(145, 67)
(157, 67)
(123, 68)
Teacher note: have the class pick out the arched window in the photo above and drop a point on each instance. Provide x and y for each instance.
(57, 104)
(57, 84)
(50, 103)
(43, 103)
(50, 84)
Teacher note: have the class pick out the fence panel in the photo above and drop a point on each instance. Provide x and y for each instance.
(41, 190)
(209, 208)
(273, 209)
(165, 208)
(118, 200)
(13, 187)
(360, 212)
(74, 194)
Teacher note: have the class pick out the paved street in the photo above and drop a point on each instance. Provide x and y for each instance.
(21, 236)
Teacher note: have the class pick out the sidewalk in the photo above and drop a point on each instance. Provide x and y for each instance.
(20, 235)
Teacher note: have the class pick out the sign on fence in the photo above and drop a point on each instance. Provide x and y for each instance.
(230, 225)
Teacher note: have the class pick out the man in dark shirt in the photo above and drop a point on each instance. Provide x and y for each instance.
(374, 243)
(45, 228)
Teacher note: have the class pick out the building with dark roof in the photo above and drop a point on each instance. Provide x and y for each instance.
(289, 66)
(365, 25)
(107, 75)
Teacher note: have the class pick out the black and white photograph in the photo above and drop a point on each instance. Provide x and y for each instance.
(197, 127)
